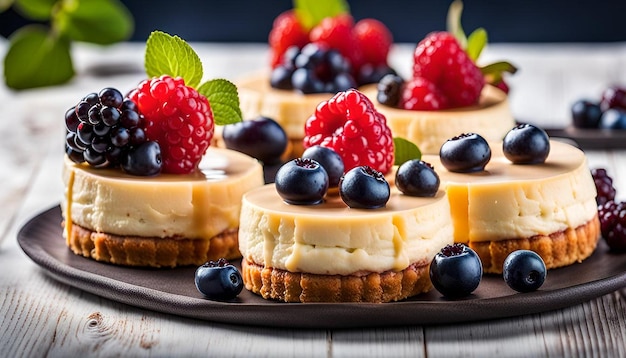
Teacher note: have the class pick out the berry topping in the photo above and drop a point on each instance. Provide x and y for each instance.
(336, 33)
(349, 124)
(103, 129)
(364, 188)
(524, 270)
(456, 271)
(375, 40)
(145, 159)
(302, 181)
(417, 178)
(440, 59)
(586, 114)
(420, 94)
(286, 32)
(604, 186)
(390, 90)
(465, 153)
(526, 144)
(329, 159)
(261, 138)
(315, 69)
(178, 118)
(218, 280)
(613, 224)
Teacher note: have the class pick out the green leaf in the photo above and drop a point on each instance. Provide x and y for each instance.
(311, 12)
(36, 58)
(101, 22)
(476, 42)
(453, 22)
(405, 150)
(171, 55)
(35, 9)
(224, 100)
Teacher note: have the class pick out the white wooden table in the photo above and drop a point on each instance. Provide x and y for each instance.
(42, 317)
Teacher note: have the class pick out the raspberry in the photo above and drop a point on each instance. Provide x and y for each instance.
(336, 32)
(375, 40)
(349, 124)
(286, 32)
(419, 94)
(440, 59)
(178, 118)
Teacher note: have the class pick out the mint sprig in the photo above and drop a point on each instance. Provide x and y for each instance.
(224, 100)
(404, 151)
(171, 55)
(311, 12)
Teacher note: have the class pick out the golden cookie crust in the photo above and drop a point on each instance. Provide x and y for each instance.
(557, 249)
(281, 285)
(152, 251)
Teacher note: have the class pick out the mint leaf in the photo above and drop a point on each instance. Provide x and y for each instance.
(311, 12)
(36, 59)
(405, 150)
(171, 55)
(224, 100)
(101, 22)
(476, 42)
(34, 9)
(453, 22)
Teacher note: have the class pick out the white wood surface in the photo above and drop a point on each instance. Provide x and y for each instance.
(42, 317)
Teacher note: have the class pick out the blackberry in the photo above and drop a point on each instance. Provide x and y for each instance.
(604, 186)
(313, 69)
(102, 129)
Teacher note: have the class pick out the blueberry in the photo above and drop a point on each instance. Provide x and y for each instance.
(456, 271)
(526, 144)
(218, 280)
(329, 159)
(417, 178)
(364, 188)
(369, 73)
(613, 119)
(301, 181)
(524, 270)
(586, 114)
(468, 152)
(281, 78)
(305, 80)
(144, 160)
(261, 138)
(389, 90)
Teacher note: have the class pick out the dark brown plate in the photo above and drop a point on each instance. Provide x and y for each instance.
(597, 139)
(173, 290)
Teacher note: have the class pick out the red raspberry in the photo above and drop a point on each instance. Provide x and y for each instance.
(286, 32)
(420, 94)
(375, 40)
(336, 32)
(349, 124)
(440, 59)
(178, 118)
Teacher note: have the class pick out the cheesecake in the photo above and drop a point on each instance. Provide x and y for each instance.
(167, 220)
(549, 208)
(332, 253)
(491, 117)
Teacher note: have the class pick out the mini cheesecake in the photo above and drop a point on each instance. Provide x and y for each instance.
(549, 208)
(163, 221)
(491, 117)
(332, 253)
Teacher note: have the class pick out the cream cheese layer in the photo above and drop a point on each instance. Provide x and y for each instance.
(331, 238)
(508, 201)
(491, 118)
(197, 205)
